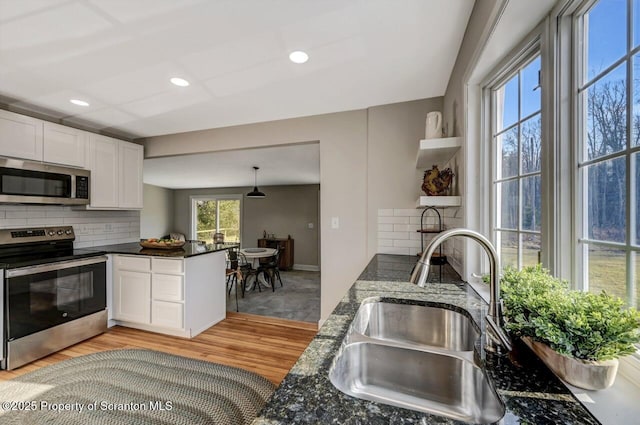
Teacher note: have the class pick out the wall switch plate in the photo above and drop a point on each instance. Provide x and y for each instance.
(310, 225)
(335, 222)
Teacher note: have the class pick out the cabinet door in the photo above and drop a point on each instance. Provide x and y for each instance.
(103, 163)
(169, 315)
(132, 296)
(64, 145)
(20, 136)
(131, 194)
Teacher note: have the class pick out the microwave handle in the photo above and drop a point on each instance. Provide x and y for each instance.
(61, 265)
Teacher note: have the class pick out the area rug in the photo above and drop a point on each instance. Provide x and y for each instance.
(140, 387)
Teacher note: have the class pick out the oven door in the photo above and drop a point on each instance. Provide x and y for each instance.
(42, 296)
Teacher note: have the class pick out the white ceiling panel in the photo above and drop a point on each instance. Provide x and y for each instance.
(120, 54)
(280, 165)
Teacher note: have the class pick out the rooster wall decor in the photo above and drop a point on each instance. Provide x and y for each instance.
(436, 182)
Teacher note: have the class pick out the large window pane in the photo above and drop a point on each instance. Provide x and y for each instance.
(530, 96)
(606, 200)
(606, 109)
(606, 26)
(508, 147)
(636, 181)
(530, 144)
(508, 205)
(530, 249)
(635, 108)
(531, 203)
(636, 302)
(230, 220)
(206, 220)
(507, 104)
(508, 249)
(607, 271)
(636, 22)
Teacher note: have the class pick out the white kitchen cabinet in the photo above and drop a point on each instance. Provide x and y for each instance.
(132, 296)
(131, 189)
(20, 136)
(173, 296)
(116, 173)
(64, 145)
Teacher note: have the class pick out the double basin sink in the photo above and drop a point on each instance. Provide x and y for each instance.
(418, 357)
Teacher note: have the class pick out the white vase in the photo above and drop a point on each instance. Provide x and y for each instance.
(585, 374)
(433, 125)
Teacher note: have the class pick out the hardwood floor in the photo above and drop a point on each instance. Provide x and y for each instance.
(266, 346)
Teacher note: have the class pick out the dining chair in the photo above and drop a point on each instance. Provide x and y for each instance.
(235, 273)
(271, 270)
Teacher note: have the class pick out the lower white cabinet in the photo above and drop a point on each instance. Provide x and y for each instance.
(131, 293)
(173, 296)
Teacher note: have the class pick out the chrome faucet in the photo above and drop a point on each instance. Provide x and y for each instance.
(497, 339)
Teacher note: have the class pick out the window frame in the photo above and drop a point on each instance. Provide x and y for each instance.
(193, 199)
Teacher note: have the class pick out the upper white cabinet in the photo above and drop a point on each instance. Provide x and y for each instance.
(102, 160)
(131, 188)
(64, 145)
(20, 136)
(116, 173)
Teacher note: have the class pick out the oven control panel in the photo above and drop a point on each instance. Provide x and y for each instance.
(38, 234)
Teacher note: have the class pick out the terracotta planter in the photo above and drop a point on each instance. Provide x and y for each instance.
(579, 373)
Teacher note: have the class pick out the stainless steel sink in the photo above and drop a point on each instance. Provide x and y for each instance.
(420, 380)
(415, 325)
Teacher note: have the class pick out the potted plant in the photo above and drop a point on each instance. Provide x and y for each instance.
(579, 335)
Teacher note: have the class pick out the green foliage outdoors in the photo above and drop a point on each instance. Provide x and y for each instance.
(577, 324)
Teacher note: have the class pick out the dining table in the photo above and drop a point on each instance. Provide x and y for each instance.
(254, 254)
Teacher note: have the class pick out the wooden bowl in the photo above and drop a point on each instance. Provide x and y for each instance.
(160, 245)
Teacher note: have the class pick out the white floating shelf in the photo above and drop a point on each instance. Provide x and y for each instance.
(439, 201)
(437, 151)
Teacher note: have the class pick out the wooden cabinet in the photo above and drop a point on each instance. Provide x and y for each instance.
(20, 136)
(286, 256)
(64, 145)
(116, 173)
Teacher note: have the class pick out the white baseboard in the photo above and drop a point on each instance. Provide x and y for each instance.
(306, 267)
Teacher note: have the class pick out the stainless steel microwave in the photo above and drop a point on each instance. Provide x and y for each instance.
(29, 182)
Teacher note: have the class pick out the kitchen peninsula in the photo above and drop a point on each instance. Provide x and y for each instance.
(530, 392)
(178, 292)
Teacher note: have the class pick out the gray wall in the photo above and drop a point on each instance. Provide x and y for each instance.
(156, 218)
(393, 180)
(287, 210)
(355, 178)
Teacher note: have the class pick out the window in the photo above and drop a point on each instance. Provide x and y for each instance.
(215, 214)
(608, 148)
(516, 152)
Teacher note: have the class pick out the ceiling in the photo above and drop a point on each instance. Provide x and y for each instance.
(280, 165)
(118, 55)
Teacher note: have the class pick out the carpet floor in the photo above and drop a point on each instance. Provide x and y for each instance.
(141, 387)
(298, 298)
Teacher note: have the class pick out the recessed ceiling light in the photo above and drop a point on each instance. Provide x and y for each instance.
(298, 56)
(179, 82)
(79, 102)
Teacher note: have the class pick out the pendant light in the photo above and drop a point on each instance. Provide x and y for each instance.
(255, 193)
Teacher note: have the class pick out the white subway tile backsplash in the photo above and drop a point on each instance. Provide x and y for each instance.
(393, 235)
(92, 228)
(385, 227)
(385, 242)
(393, 250)
(414, 251)
(385, 212)
(407, 212)
(393, 220)
(406, 243)
(405, 227)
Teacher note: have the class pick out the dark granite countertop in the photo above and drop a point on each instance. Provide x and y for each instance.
(190, 249)
(531, 393)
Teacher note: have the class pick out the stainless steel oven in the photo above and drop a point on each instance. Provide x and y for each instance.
(54, 296)
(28, 182)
